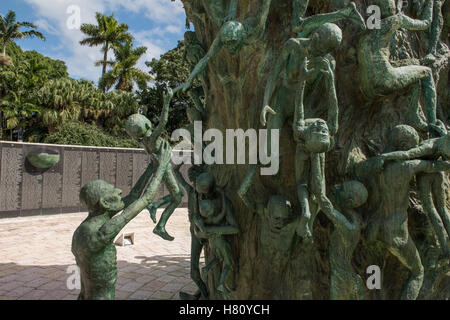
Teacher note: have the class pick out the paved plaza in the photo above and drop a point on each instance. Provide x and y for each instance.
(35, 258)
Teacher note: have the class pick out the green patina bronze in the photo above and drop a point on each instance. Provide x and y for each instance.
(43, 160)
(92, 243)
(140, 128)
(363, 178)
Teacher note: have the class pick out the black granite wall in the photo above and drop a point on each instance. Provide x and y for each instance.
(26, 190)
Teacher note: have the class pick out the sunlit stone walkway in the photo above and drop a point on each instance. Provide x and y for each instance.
(35, 257)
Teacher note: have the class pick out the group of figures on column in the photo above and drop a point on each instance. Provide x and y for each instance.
(303, 63)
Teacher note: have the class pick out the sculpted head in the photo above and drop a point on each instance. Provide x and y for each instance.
(403, 138)
(100, 197)
(233, 35)
(206, 208)
(352, 194)
(317, 136)
(326, 39)
(280, 212)
(205, 183)
(138, 126)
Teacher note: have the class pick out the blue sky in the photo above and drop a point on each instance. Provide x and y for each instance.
(155, 24)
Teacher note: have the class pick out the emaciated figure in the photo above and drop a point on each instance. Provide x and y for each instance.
(391, 186)
(140, 128)
(305, 25)
(380, 78)
(92, 243)
(346, 284)
(431, 186)
(215, 223)
(234, 35)
(285, 87)
(313, 141)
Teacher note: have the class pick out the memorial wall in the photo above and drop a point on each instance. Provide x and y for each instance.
(31, 184)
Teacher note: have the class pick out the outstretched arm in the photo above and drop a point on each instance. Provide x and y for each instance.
(271, 85)
(260, 27)
(137, 190)
(299, 11)
(248, 201)
(424, 150)
(415, 24)
(203, 63)
(163, 118)
(181, 179)
(110, 229)
(430, 166)
(232, 10)
(333, 108)
(337, 218)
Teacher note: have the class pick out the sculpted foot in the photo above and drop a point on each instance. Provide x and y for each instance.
(163, 234)
(152, 209)
(187, 296)
(352, 13)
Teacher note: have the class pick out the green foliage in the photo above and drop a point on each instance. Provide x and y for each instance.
(78, 133)
(10, 30)
(124, 73)
(108, 33)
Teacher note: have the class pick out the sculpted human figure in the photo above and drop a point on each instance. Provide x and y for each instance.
(305, 25)
(215, 223)
(345, 283)
(279, 225)
(193, 53)
(233, 36)
(219, 12)
(197, 243)
(380, 78)
(140, 128)
(391, 185)
(286, 85)
(431, 186)
(92, 243)
(435, 30)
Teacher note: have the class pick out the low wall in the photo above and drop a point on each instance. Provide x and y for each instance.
(26, 190)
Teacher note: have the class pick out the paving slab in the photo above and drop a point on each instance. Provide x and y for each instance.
(36, 262)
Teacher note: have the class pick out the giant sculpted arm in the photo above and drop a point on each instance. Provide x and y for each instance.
(272, 84)
(110, 229)
(424, 150)
(203, 63)
(419, 24)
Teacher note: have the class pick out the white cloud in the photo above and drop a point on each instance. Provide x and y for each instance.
(168, 15)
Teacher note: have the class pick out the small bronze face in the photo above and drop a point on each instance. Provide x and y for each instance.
(318, 137)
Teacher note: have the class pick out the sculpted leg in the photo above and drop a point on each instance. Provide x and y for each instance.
(301, 173)
(196, 249)
(440, 200)
(404, 77)
(177, 196)
(405, 250)
(424, 186)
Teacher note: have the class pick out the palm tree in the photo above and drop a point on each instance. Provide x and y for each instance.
(18, 111)
(10, 30)
(108, 32)
(124, 73)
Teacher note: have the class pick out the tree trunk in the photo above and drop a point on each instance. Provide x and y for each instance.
(105, 62)
(235, 99)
